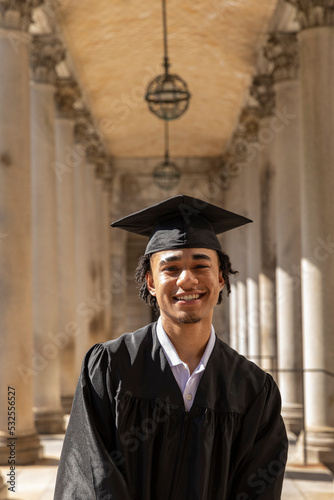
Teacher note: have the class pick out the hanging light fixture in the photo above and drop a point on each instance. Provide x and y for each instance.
(166, 174)
(167, 95)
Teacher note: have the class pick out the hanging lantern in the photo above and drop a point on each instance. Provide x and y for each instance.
(166, 174)
(167, 94)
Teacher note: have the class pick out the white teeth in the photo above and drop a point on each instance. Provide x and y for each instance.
(188, 297)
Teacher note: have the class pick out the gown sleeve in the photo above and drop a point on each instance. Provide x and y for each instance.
(259, 464)
(88, 466)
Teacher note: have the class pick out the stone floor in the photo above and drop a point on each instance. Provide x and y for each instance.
(36, 482)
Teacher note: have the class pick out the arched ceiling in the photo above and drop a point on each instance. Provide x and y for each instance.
(116, 49)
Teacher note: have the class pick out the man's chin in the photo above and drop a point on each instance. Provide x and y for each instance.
(188, 319)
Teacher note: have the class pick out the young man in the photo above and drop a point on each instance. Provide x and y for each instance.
(171, 412)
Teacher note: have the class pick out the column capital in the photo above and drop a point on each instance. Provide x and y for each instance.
(17, 14)
(249, 123)
(313, 13)
(282, 51)
(95, 151)
(229, 167)
(262, 89)
(66, 95)
(46, 52)
(83, 127)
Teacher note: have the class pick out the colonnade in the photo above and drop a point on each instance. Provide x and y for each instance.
(64, 278)
(54, 248)
(290, 178)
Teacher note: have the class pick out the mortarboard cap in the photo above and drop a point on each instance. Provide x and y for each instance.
(181, 222)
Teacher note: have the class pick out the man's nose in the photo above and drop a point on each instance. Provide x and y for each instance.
(186, 279)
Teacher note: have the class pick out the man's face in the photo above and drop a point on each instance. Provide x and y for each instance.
(186, 283)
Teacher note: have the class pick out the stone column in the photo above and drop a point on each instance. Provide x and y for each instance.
(93, 271)
(262, 90)
(241, 265)
(233, 308)
(231, 300)
(316, 46)
(46, 52)
(66, 161)
(18, 362)
(106, 249)
(3, 489)
(250, 122)
(234, 172)
(103, 294)
(85, 304)
(103, 183)
(282, 51)
(95, 163)
(118, 263)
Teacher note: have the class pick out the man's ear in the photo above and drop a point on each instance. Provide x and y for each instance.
(221, 280)
(150, 283)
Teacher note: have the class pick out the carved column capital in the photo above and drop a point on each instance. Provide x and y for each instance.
(231, 162)
(95, 152)
(282, 50)
(46, 52)
(262, 89)
(312, 13)
(17, 14)
(83, 128)
(66, 95)
(249, 123)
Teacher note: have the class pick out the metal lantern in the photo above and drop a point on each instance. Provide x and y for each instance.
(167, 94)
(166, 174)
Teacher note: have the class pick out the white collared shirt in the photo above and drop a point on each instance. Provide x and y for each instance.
(188, 383)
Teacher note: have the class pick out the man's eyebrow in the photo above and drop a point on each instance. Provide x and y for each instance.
(174, 258)
(201, 256)
(171, 258)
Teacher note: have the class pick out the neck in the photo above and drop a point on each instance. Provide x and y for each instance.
(189, 339)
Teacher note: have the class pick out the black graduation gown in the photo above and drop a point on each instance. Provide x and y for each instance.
(130, 438)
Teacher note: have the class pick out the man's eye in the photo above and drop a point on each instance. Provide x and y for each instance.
(201, 266)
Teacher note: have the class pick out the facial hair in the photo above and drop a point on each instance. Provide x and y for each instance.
(188, 320)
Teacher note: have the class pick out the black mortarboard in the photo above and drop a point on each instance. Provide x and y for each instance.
(181, 222)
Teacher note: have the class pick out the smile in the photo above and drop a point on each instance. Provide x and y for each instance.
(188, 298)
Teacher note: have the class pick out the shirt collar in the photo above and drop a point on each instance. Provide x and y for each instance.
(171, 353)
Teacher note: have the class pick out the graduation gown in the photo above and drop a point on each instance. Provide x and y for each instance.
(130, 438)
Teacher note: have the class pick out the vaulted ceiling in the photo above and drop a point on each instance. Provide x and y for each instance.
(116, 49)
